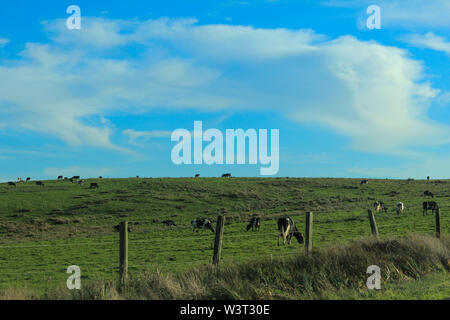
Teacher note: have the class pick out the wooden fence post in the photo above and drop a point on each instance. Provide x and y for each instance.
(438, 223)
(373, 224)
(123, 267)
(309, 232)
(218, 240)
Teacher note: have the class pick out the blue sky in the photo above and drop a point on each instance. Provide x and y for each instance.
(103, 100)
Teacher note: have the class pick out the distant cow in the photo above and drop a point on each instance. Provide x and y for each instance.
(39, 183)
(287, 229)
(19, 180)
(226, 175)
(428, 178)
(429, 205)
(169, 223)
(94, 185)
(254, 224)
(379, 206)
(428, 194)
(202, 224)
(400, 207)
(364, 181)
(197, 175)
(12, 184)
(75, 177)
(60, 177)
(28, 179)
(81, 182)
(100, 177)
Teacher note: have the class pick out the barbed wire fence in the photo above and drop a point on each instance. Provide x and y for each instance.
(321, 231)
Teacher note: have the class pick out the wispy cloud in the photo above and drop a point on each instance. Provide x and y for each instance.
(4, 42)
(412, 13)
(428, 41)
(371, 93)
(145, 135)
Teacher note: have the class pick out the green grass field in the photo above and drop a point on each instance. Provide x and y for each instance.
(43, 230)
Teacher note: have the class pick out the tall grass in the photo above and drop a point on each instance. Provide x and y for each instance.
(327, 274)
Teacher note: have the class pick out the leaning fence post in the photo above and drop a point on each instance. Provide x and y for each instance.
(309, 232)
(123, 267)
(438, 223)
(373, 224)
(218, 240)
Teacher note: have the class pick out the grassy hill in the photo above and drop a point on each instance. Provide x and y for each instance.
(43, 230)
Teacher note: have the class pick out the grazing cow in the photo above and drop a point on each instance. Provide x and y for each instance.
(429, 205)
(12, 184)
(100, 177)
(226, 175)
(75, 177)
(197, 175)
(94, 185)
(202, 224)
(19, 180)
(81, 182)
(364, 181)
(379, 206)
(255, 224)
(287, 229)
(39, 183)
(428, 194)
(28, 179)
(169, 223)
(60, 177)
(428, 178)
(400, 207)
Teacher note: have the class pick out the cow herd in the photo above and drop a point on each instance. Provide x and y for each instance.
(286, 226)
(74, 179)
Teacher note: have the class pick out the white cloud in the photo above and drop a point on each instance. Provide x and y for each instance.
(429, 41)
(145, 135)
(373, 94)
(4, 42)
(411, 13)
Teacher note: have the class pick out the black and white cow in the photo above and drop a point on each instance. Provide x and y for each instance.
(287, 229)
(226, 175)
(28, 179)
(12, 184)
(429, 205)
(60, 177)
(364, 181)
(400, 207)
(428, 194)
(254, 224)
(379, 206)
(202, 224)
(94, 185)
(39, 183)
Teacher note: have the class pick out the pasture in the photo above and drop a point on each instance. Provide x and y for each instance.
(43, 230)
